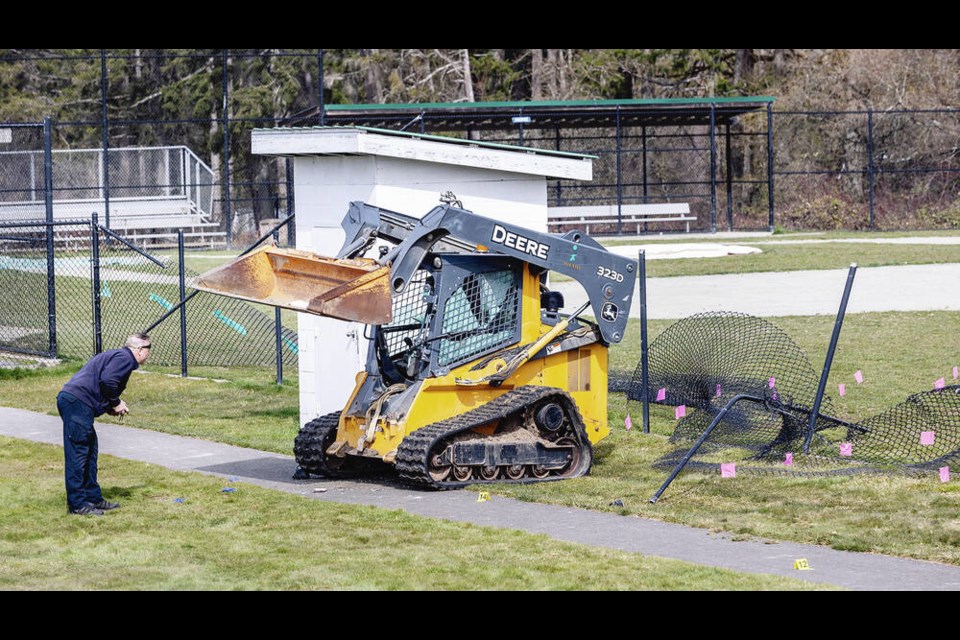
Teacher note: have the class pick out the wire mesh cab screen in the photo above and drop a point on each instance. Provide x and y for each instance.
(479, 308)
(409, 314)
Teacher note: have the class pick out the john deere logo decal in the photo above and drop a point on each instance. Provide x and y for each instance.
(609, 312)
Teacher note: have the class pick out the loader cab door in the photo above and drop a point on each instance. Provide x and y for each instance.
(478, 310)
(450, 314)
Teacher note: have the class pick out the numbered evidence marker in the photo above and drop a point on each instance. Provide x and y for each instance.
(662, 394)
(483, 496)
(858, 376)
(842, 388)
(788, 459)
(944, 474)
(846, 449)
(801, 564)
(728, 470)
(680, 411)
(628, 422)
(926, 437)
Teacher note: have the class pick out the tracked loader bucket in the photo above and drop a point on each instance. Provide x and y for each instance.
(356, 290)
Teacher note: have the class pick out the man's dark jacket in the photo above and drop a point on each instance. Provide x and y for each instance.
(101, 381)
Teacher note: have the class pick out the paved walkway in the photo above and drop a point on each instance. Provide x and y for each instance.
(859, 571)
(795, 293)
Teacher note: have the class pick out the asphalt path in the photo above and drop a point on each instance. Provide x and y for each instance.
(794, 293)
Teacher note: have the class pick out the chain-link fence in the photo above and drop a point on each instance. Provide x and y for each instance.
(104, 288)
(181, 157)
(868, 170)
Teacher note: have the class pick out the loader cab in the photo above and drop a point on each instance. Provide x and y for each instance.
(457, 308)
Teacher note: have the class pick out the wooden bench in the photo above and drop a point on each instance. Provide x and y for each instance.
(584, 216)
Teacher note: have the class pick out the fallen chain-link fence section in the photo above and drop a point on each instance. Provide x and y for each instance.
(701, 364)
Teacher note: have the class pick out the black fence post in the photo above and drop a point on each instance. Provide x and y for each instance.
(277, 327)
(291, 230)
(643, 170)
(644, 369)
(828, 361)
(556, 145)
(226, 151)
(770, 167)
(321, 101)
(619, 176)
(713, 169)
(703, 437)
(870, 171)
(183, 309)
(729, 164)
(48, 205)
(106, 139)
(95, 284)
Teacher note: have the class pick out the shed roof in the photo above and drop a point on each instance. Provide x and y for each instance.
(452, 116)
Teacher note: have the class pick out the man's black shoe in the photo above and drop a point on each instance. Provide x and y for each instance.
(87, 510)
(103, 505)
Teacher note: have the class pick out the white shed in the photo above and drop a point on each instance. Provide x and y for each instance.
(403, 172)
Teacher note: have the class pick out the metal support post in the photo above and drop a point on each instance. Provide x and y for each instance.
(644, 369)
(106, 138)
(48, 205)
(829, 359)
(619, 176)
(770, 167)
(95, 284)
(729, 172)
(277, 327)
(713, 169)
(183, 310)
(706, 433)
(321, 101)
(870, 170)
(226, 151)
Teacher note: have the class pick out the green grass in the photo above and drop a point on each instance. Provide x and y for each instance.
(899, 353)
(260, 539)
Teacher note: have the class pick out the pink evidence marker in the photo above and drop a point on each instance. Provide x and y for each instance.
(956, 373)
(728, 470)
(926, 437)
(939, 384)
(662, 394)
(843, 389)
(858, 376)
(944, 474)
(720, 392)
(628, 422)
(680, 411)
(846, 449)
(788, 459)
(772, 382)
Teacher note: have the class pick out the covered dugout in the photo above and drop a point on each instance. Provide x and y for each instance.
(713, 153)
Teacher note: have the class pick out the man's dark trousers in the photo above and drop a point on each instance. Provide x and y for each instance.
(80, 451)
